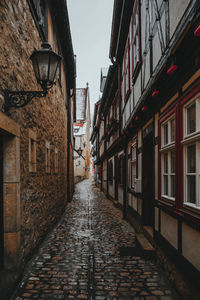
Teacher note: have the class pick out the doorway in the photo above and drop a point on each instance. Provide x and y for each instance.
(148, 177)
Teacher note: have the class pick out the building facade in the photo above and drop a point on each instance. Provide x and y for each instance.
(147, 135)
(82, 135)
(36, 140)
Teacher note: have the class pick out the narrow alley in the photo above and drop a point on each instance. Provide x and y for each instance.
(80, 258)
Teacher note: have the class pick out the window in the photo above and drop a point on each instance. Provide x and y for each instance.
(126, 71)
(191, 153)
(32, 151)
(135, 38)
(47, 158)
(168, 158)
(133, 165)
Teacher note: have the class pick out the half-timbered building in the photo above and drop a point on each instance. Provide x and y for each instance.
(150, 110)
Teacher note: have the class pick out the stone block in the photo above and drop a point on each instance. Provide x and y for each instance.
(12, 216)
(11, 165)
(11, 253)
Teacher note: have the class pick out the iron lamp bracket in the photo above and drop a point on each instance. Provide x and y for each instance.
(19, 99)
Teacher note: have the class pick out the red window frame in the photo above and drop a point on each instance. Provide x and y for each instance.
(134, 145)
(162, 119)
(136, 11)
(126, 70)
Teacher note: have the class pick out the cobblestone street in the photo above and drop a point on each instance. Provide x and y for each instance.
(80, 258)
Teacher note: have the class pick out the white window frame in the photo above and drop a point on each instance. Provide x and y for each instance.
(168, 148)
(133, 161)
(188, 140)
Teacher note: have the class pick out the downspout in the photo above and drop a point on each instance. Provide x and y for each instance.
(69, 143)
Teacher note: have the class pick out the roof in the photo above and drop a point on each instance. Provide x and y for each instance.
(104, 72)
(60, 13)
(120, 26)
(79, 129)
(81, 104)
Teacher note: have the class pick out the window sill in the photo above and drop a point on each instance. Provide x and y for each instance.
(167, 147)
(167, 202)
(191, 213)
(191, 138)
(192, 207)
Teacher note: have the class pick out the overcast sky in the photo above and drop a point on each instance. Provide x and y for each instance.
(90, 22)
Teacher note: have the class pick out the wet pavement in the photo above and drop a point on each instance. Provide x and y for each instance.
(82, 257)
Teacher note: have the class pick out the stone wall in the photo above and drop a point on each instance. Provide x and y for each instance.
(43, 195)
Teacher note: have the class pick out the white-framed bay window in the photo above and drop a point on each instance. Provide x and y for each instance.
(133, 165)
(191, 152)
(168, 172)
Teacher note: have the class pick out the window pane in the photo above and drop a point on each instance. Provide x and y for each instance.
(166, 134)
(133, 174)
(166, 163)
(172, 161)
(133, 153)
(191, 188)
(172, 130)
(173, 186)
(191, 118)
(191, 151)
(165, 184)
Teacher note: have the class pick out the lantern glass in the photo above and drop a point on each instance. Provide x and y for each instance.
(53, 65)
(45, 63)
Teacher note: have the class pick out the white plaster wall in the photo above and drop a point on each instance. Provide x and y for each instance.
(146, 74)
(143, 21)
(156, 50)
(169, 229)
(191, 245)
(137, 89)
(159, 3)
(176, 11)
(163, 26)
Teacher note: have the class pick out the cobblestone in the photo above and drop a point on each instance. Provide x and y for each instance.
(81, 259)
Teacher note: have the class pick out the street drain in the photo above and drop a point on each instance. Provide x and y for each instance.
(129, 251)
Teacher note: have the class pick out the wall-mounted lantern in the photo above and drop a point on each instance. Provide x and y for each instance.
(79, 152)
(45, 63)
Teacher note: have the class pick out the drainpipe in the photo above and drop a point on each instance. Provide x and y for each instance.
(69, 143)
